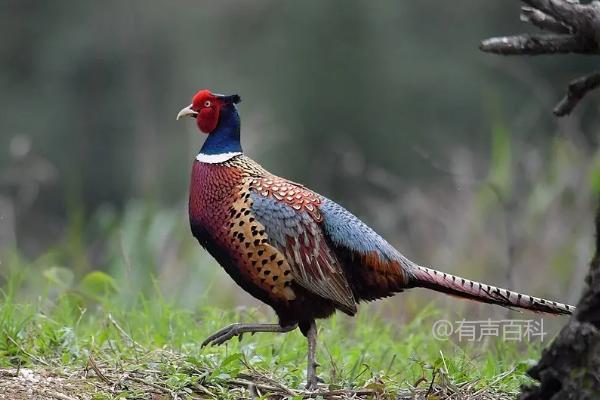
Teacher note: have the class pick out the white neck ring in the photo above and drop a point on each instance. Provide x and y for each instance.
(216, 158)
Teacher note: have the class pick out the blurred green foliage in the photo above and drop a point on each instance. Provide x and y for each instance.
(93, 88)
(525, 218)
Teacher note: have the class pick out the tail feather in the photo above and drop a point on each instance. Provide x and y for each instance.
(461, 287)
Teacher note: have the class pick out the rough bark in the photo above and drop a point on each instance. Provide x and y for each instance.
(570, 367)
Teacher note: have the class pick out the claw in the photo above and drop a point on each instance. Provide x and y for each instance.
(238, 330)
(222, 335)
(313, 383)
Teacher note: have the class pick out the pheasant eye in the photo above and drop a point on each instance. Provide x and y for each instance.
(207, 103)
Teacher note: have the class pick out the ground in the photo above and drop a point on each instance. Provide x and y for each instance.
(29, 384)
(150, 350)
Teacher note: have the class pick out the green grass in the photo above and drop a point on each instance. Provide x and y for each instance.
(73, 329)
(136, 327)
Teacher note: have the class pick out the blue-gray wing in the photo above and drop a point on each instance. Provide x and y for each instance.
(297, 234)
(374, 267)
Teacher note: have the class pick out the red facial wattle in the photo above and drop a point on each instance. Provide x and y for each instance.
(208, 118)
(208, 107)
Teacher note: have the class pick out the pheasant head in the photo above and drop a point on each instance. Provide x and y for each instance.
(206, 108)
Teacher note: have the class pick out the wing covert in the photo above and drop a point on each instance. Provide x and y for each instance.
(290, 215)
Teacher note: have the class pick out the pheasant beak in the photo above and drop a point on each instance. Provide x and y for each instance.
(187, 112)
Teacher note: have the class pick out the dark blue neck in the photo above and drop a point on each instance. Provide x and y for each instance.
(226, 136)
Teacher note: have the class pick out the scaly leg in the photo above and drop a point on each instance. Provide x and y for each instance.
(233, 330)
(311, 370)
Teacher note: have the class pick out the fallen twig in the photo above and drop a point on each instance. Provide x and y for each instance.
(25, 351)
(47, 392)
(152, 385)
(498, 379)
(123, 333)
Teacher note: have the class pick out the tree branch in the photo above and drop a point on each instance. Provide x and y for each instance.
(573, 27)
(577, 89)
(543, 21)
(534, 45)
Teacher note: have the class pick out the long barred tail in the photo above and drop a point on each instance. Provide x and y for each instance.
(455, 285)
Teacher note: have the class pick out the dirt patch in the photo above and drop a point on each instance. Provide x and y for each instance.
(25, 384)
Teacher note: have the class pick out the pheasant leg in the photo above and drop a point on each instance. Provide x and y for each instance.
(311, 370)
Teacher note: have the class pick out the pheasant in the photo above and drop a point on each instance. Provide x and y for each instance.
(294, 249)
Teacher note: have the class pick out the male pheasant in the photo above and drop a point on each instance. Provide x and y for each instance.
(294, 249)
